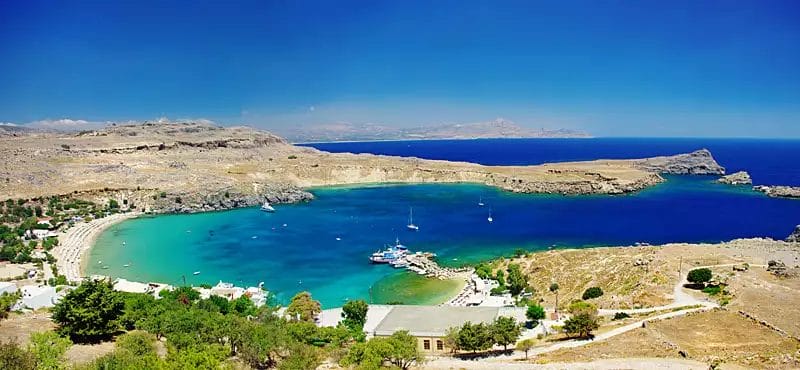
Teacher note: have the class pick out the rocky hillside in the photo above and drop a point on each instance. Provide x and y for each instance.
(182, 167)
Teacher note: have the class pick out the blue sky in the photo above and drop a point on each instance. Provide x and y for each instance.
(613, 68)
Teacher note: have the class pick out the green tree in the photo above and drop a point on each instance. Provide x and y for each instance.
(355, 314)
(580, 307)
(404, 352)
(474, 337)
(500, 277)
(7, 301)
(517, 282)
(699, 276)
(260, 343)
(48, 348)
(243, 306)
(534, 313)
(591, 293)
(133, 351)
(89, 313)
(198, 357)
(581, 325)
(525, 345)
(451, 339)
(301, 356)
(505, 331)
(303, 307)
(554, 289)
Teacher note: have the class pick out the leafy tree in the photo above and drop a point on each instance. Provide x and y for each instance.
(303, 307)
(260, 343)
(89, 313)
(301, 356)
(215, 303)
(525, 345)
(7, 301)
(133, 351)
(137, 308)
(198, 357)
(519, 252)
(14, 357)
(474, 337)
(185, 295)
(505, 331)
(500, 277)
(535, 313)
(48, 348)
(581, 325)
(355, 314)
(243, 306)
(579, 307)
(554, 289)
(451, 339)
(404, 352)
(699, 276)
(517, 282)
(621, 315)
(592, 293)
(483, 270)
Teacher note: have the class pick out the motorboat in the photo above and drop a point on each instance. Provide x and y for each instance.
(267, 208)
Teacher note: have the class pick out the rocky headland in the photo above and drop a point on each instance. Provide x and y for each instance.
(779, 191)
(189, 167)
(736, 178)
(794, 237)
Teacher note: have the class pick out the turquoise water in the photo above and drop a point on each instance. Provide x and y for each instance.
(247, 246)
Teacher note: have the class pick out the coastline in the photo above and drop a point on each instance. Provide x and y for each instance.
(75, 243)
(402, 140)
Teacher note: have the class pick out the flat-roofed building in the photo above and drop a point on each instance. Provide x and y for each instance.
(430, 323)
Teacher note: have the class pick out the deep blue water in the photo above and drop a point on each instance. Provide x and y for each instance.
(246, 246)
(769, 161)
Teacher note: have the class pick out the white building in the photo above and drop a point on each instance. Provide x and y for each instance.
(36, 297)
(6, 287)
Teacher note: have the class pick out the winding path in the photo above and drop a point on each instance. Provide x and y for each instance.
(681, 299)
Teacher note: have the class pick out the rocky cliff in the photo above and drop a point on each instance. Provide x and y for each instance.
(779, 191)
(794, 237)
(699, 162)
(737, 178)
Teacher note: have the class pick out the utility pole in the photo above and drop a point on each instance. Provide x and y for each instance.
(184, 279)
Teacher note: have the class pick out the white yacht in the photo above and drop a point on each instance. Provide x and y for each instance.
(411, 225)
(490, 219)
(267, 208)
(480, 201)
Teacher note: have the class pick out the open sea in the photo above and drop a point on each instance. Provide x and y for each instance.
(296, 248)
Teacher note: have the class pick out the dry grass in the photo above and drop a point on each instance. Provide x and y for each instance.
(717, 336)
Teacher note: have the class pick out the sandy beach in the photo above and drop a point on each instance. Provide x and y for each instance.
(75, 243)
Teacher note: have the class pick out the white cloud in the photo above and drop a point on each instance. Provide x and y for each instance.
(8, 124)
(66, 124)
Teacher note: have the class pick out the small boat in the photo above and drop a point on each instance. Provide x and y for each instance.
(338, 238)
(99, 262)
(267, 208)
(411, 225)
(124, 243)
(196, 273)
(480, 202)
(490, 219)
(254, 237)
(126, 265)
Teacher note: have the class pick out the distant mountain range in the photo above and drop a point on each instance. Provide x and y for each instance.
(498, 128)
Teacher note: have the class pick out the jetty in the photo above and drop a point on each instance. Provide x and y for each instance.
(424, 264)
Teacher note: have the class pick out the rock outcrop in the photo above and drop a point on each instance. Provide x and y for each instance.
(779, 191)
(794, 237)
(699, 162)
(737, 178)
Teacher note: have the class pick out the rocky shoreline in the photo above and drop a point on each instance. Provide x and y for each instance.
(736, 178)
(779, 191)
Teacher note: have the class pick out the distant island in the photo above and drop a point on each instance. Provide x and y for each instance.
(498, 128)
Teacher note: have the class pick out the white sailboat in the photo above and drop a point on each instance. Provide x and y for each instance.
(490, 219)
(411, 225)
(480, 201)
(267, 208)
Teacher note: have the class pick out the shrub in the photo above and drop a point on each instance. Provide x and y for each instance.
(699, 276)
(621, 315)
(535, 312)
(292, 157)
(581, 325)
(592, 293)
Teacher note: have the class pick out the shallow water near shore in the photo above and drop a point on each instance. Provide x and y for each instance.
(296, 248)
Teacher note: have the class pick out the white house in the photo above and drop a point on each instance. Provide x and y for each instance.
(36, 297)
(6, 287)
